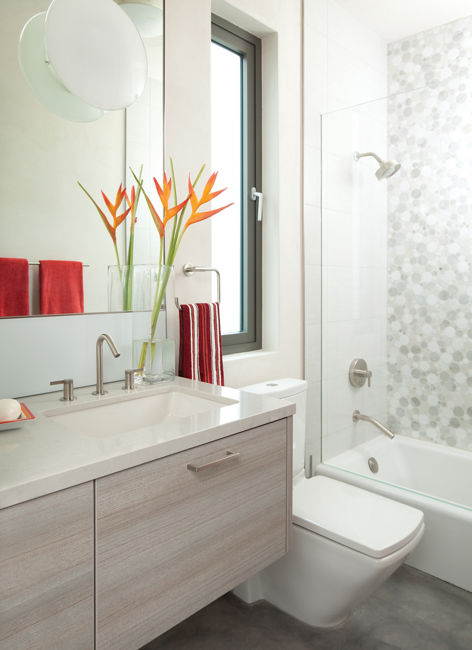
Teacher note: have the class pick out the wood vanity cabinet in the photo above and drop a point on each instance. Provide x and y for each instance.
(47, 572)
(170, 539)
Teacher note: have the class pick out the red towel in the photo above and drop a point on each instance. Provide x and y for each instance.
(14, 287)
(61, 287)
(201, 355)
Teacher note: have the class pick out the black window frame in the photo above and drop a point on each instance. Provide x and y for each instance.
(249, 48)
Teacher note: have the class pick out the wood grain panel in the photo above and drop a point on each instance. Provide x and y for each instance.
(169, 541)
(46, 572)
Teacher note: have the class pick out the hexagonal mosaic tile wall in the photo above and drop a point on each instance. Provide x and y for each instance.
(430, 236)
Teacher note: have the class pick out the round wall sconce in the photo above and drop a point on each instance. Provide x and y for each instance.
(42, 79)
(96, 51)
(147, 16)
(83, 57)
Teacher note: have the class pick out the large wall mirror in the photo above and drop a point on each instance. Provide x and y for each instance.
(44, 215)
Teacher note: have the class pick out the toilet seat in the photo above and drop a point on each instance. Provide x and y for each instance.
(361, 520)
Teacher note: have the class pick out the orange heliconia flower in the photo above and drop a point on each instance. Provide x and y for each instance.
(207, 195)
(113, 209)
(164, 195)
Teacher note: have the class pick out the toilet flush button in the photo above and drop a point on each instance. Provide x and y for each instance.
(272, 384)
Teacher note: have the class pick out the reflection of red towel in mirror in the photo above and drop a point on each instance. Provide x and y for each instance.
(14, 287)
(61, 287)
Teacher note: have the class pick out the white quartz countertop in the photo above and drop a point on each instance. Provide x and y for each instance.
(45, 455)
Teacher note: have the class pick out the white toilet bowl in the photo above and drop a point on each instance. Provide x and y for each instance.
(346, 541)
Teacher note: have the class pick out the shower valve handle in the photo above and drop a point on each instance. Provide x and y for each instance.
(359, 373)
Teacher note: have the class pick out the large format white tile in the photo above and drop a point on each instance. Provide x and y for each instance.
(353, 293)
(373, 293)
(338, 238)
(338, 181)
(344, 341)
(313, 351)
(344, 440)
(316, 15)
(339, 132)
(312, 176)
(312, 234)
(315, 72)
(346, 31)
(351, 79)
(312, 293)
(312, 127)
(340, 400)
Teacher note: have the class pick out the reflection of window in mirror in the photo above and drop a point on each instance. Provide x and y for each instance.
(236, 153)
(44, 213)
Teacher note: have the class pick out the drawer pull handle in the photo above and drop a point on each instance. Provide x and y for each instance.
(230, 455)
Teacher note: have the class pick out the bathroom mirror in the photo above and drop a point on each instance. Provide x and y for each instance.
(44, 213)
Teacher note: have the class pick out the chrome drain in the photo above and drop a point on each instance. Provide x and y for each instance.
(373, 465)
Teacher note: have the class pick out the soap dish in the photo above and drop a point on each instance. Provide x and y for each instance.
(26, 416)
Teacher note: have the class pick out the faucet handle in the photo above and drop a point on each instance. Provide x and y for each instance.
(68, 392)
(129, 378)
(359, 373)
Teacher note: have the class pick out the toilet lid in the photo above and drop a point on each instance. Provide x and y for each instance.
(361, 520)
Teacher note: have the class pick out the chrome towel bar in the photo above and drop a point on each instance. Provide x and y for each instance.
(189, 269)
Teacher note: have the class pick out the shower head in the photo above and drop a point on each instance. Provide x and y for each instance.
(386, 168)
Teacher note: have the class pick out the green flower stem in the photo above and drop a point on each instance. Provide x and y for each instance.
(118, 260)
(128, 288)
(162, 280)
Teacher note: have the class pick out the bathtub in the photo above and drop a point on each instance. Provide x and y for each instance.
(434, 478)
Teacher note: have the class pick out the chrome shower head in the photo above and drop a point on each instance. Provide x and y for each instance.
(386, 168)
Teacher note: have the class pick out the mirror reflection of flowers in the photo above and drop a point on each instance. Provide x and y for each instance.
(179, 227)
(131, 201)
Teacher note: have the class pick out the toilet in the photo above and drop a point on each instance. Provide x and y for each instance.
(346, 541)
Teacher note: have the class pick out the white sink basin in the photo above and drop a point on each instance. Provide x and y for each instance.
(110, 417)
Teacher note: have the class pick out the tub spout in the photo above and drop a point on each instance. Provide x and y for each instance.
(356, 416)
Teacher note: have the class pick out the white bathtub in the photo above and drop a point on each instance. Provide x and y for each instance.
(433, 478)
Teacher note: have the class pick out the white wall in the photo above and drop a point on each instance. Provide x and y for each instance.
(187, 138)
(44, 214)
(344, 65)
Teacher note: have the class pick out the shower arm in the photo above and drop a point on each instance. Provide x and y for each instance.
(358, 155)
(356, 416)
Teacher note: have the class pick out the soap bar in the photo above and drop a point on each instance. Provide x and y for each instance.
(10, 409)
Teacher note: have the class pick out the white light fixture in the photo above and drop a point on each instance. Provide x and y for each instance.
(96, 52)
(146, 15)
(42, 79)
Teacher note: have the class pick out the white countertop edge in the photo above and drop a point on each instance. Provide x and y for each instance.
(12, 494)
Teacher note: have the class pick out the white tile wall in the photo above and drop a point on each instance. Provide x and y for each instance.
(345, 65)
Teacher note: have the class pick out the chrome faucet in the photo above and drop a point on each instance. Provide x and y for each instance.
(111, 344)
(356, 416)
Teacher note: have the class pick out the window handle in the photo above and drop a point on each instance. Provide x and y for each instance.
(259, 197)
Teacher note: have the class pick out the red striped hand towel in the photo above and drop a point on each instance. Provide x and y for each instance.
(200, 355)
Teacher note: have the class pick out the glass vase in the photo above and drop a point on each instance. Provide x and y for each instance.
(133, 288)
(159, 359)
(152, 351)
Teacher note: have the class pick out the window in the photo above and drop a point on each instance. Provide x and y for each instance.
(236, 154)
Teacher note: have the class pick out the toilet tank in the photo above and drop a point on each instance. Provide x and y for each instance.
(293, 390)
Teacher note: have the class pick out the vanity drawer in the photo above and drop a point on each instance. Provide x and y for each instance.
(177, 533)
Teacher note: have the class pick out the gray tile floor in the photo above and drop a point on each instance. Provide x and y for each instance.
(411, 611)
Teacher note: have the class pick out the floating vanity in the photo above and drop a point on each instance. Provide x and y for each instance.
(124, 514)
